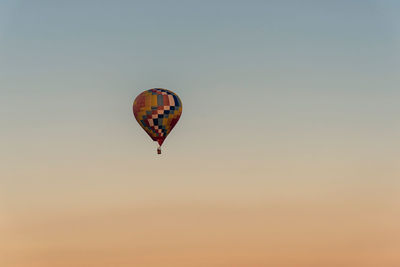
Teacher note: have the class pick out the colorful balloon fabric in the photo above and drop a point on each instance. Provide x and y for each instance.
(157, 110)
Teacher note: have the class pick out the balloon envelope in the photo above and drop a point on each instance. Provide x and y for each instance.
(157, 111)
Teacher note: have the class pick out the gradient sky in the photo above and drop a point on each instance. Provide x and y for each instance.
(287, 153)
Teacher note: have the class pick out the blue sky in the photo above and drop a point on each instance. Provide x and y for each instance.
(259, 77)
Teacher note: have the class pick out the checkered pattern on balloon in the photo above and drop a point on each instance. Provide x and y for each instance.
(157, 111)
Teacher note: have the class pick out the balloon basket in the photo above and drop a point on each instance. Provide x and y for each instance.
(159, 150)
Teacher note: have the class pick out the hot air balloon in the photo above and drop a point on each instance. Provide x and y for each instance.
(157, 110)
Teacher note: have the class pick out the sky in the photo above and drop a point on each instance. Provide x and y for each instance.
(287, 153)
